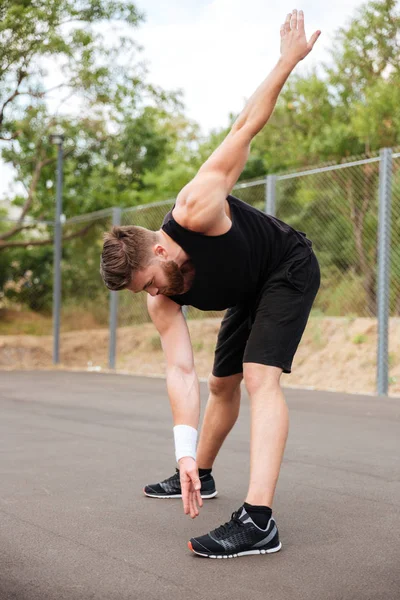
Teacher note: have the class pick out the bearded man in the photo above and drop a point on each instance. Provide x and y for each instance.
(215, 252)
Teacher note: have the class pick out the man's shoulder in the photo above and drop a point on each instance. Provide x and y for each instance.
(200, 204)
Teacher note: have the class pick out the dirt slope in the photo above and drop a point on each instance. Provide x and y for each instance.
(336, 353)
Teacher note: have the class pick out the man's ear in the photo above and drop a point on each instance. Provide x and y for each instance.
(160, 251)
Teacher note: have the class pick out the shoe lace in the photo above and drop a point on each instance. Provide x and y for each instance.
(229, 526)
(174, 477)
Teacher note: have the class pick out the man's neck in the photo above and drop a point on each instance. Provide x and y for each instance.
(175, 252)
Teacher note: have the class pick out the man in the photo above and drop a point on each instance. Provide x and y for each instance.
(214, 252)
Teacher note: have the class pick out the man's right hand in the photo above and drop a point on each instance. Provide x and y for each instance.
(190, 485)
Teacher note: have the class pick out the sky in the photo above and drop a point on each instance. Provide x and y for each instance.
(218, 51)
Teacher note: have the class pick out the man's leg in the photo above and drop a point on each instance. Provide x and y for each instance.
(269, 431)
(280, 318)
(252, 529)
(223, 403)
(224, 400)
(221, 413)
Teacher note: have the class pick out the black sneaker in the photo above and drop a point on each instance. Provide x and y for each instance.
(171, 487)
(239, 537)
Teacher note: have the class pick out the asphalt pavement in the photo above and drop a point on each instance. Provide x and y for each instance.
(76, 450)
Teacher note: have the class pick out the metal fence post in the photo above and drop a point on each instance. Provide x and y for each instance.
(116, 220)
(385, 201)
(57, 255)
(270, 195)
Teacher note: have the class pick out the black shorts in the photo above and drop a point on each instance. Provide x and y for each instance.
(269, 332)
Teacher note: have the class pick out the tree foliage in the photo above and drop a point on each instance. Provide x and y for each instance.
(349, 108)
(76, 65)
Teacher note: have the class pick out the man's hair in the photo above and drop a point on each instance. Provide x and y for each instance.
(126, 250)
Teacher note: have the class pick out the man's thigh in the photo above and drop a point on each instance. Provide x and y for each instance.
(282, 314)
(231, 342)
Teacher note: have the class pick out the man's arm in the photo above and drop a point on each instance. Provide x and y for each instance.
(183, 391)
(182, 382)
(202, 201)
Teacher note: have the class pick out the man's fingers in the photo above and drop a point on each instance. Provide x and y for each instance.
(196, 483)
(287, 22)
(191, 485)
(193, 508)
(282, 30)
(192, 505)
(195, 503)
(199, 498)
(313, 39)
(293, 20)
(185, 485)
(195, 488)
(300, 21)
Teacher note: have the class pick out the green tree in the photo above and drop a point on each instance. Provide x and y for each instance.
(61, 68)
(349, 108)
(119, 136)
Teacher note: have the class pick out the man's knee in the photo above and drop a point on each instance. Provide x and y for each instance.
(257, 377)
(223, 386)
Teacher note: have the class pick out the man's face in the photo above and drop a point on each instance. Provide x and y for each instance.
(160, 277)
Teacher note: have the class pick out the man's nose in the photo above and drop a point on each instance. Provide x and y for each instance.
(153, 291)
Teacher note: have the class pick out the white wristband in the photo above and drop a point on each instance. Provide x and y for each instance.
(185, 441)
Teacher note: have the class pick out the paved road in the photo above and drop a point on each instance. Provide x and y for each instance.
(76, 450)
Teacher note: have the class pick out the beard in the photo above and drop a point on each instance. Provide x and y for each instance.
(176, 281)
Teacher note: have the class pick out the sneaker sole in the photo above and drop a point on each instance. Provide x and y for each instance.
(247, 553)
(205, 496)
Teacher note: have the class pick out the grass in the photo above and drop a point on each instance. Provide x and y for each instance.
(27, 322)
(360, 339)
(342, 296)
(155, 343)
(197, 346)
(15, 322)
(317, 339)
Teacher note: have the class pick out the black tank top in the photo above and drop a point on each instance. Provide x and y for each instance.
(231, 268)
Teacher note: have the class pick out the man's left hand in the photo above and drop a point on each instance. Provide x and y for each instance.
(190, 485)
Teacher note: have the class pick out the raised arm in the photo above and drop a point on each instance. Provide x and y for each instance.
(183, 392)
(294, 47)
(202, 200)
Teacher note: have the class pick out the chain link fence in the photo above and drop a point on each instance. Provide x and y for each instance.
(26, 275)
(337, 206)
(394, 287)
(340, 209)
(395, 239)
(84, 299)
